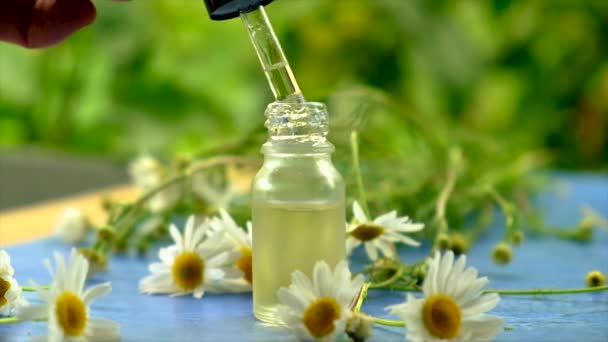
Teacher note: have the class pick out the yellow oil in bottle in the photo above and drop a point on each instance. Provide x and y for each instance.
(289, 237)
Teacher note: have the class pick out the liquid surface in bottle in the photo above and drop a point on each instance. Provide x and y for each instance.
(289, 237)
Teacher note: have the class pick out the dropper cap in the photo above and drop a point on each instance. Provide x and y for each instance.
(228, 9)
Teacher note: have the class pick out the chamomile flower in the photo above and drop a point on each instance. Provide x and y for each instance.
(148, 173)
(195, 264)
(66, 304)
(241, 243)
(319, 309)
(215, 196)
(453, 307)
(72, 226)
(381, 234)
(10, 292)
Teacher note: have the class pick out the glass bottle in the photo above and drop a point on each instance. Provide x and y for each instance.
(298, 201)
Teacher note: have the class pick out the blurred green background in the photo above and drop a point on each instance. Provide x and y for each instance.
(158, 76)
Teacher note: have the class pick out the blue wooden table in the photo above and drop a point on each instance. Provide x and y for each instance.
(538, 263)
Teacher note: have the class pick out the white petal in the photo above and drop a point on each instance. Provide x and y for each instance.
(5, 264)
(454, 276)
(77, 271)
(177, 236)
(232, 273)
(47, 294)
(157, 284)
(95, 292)
(227, 218)
(199, 292)
(199, 234)
(189, 233)
(445, 267)
(386, 247)
(396, 237)
(322, 277)
(387, 219)
(222, 259)
(292, 300)
(481, 305)
(371, 251)
(102, 330)
(59, 278)
(33, 312)
(483, 327)
(464, 282)
(168, 254)
(472, 291)
(351, 243)
(302, 285)
(358, 213)
(408, 227)
(159, 267)
(234, 286)
(49, 267)
(430, 281)
(55, 335)
(214, 274)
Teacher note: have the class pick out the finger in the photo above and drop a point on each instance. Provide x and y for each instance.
(41, 23)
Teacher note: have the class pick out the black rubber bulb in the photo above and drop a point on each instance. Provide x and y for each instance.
(228, 9)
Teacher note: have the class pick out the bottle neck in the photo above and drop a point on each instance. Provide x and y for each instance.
(297, 128)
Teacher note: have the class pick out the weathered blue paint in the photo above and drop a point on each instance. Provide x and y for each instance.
(538, 263)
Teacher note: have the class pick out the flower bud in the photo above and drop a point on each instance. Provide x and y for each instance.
(106, 233)
(359, 326)
(98, 261)
(443, 241)
(517, 237)
(502, 253)
(459, 243)
(72, 226)
(419, 272)
(383, 269)
(595, 278)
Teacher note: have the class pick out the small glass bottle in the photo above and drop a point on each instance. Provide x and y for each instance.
(298, 202)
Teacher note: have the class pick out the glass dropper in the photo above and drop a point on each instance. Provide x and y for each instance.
(275, 65)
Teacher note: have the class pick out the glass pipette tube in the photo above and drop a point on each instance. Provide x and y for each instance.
(278, 72)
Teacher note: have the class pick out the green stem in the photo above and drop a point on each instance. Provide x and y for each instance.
(398, 273)
(196, 168)
(550, 291)
(508, 209)
(388, 322)
(483, 221)
(354, 147)
(32, 288)
(8, 320)
(513, 292)
(362, 296)
(442, 201)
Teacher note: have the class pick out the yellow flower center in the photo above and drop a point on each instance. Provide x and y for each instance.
(367, 232)
(188, 270)
(244, 263)
(319, 317)
(441, 316)
(71, 314)
(4, 287)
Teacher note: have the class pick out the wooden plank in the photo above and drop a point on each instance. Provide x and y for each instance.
(39, 220)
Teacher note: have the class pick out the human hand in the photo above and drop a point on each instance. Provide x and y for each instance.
(42, 23)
